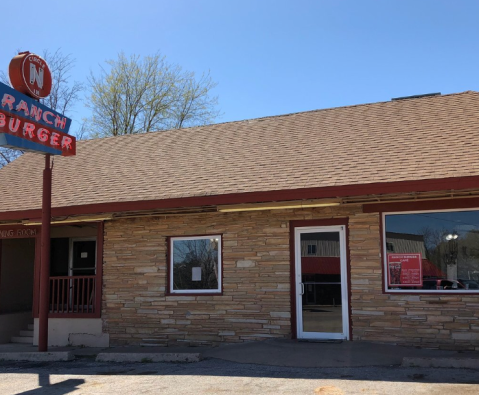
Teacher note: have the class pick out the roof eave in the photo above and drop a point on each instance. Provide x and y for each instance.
(341, 191)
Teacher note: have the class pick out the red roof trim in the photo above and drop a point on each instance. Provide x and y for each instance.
(446, 204)
(254, 197)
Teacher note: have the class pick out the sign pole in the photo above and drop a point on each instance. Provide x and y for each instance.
(45, 257)
(44, 131)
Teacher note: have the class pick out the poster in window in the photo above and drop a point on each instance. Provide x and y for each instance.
(196, 274)
(404, 270)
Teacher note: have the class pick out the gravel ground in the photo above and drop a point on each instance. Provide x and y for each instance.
(214, 376)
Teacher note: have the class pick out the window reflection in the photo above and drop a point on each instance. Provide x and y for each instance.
(196, 265)
(448, 244)
(321, 280)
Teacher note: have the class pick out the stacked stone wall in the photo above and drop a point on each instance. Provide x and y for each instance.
(256, 303)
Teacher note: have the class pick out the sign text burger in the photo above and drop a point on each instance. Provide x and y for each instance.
(25, 123)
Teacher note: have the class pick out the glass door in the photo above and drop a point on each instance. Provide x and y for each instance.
(83, 257)
(82, 274)
(321, 283)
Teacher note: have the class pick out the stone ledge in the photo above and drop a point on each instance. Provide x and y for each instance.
(148, 357)
(37, 356)
(468, 363)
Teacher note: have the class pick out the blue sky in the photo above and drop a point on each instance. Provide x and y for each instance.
(269, 57)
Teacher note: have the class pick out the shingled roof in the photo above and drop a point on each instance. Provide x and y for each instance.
(432, 137)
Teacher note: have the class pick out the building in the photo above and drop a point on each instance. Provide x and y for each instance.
(356, 223)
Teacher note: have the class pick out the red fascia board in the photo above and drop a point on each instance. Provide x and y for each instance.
(441, 204)
(451, 183)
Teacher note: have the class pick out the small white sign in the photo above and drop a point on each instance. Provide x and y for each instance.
(84, 255)
(196, 274)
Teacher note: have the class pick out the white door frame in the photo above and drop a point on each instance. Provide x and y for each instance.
(300, 287)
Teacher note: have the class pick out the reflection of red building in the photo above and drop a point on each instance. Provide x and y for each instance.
(330, 265)
(321, 277)
(431, 270)
(323, 265)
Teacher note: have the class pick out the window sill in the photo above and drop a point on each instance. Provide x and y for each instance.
(432, 292)
(193, 293)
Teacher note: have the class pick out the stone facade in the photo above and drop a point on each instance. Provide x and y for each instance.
(432, 321)
(256, 301)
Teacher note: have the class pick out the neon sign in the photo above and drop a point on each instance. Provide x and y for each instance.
(25, 123)
(30, 74)
(30, 126)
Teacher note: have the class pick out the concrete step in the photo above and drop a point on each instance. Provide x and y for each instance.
(159, 341)
(155, 339)
(195, 343)
(22, 339)
(154, 344)
(148, 357)
(26, 333)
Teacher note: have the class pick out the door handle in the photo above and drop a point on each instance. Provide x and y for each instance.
(302, 289)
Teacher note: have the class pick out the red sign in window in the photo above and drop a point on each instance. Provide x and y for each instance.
(404, 270)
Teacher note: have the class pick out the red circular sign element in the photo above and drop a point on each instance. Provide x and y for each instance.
(30, 74)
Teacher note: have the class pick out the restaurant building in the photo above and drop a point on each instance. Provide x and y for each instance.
(352, 223)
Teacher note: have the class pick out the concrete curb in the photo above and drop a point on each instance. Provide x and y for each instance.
(148, 357)
(37, 356)
(468, 363)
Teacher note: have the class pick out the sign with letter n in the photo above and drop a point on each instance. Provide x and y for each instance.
(25, 123)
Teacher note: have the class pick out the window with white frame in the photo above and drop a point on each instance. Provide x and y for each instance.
(433, 251)
(195, 264)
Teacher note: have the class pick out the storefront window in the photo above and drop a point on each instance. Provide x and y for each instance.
(195, 264)
(432, 251)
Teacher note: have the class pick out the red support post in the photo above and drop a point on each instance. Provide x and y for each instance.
(45, 257)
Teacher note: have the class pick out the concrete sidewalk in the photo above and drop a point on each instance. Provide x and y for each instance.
(328, 354)
(270, 352)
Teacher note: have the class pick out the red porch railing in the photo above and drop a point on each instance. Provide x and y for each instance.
(73, 295)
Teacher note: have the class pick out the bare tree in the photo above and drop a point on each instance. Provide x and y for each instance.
(194, 106)
(83, 133)
(64, 95)
(7, 155)
(137, 95)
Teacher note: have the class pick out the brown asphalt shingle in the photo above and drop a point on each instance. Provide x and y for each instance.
(425, 138)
